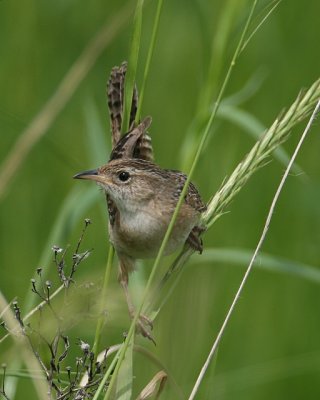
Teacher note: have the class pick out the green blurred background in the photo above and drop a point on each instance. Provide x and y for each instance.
(271, 347)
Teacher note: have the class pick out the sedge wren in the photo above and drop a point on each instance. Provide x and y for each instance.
(142, 196)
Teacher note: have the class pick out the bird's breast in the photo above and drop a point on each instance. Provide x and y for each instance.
(139, 234)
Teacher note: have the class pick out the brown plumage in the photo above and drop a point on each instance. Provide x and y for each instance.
(142, 196)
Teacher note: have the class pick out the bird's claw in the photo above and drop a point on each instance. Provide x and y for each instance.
(143, 326)
(146, 321)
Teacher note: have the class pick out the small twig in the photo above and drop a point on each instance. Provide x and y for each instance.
(34, 310)
(26, 354)
(262, 238)
(36, 291)
(17, 313)
(46, 287)
(87, 222)
(77, 259)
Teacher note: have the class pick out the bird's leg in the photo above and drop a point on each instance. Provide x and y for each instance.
(143, 322)
(193, 243)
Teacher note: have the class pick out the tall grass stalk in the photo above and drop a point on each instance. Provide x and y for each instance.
(230, 9)
(259, 245)
(211, 119)
(132, 66)
(149, 58)
(220, 40)
(106, 376)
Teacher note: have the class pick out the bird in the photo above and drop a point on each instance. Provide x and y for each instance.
(142, 196)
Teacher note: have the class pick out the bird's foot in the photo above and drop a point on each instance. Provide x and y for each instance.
(144, 326)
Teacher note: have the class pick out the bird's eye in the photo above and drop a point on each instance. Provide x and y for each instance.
(124, 176)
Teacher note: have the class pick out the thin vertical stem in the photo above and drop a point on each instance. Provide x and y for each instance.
(132, 65)
(102, 299)
(149, 57)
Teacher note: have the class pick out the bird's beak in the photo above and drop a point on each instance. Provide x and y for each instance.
(92, 175)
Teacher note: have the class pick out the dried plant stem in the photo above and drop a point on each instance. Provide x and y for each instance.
(259, 245)
(37, 308)
(20, 339)
(42, 121)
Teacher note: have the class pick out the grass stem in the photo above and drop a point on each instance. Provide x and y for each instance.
(149, 58)
(103, 299)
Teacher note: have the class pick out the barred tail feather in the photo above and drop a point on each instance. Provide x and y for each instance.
(115, 95)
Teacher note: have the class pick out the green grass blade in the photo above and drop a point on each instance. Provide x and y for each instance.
(109, 372)
(249, 89)
(209, 88)
(229, 384)
(149, 58)
(273, 5)
(218, 50)
(125, 376)
(230, 10)
(132, 66)
(102, 298)
(265, 261)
